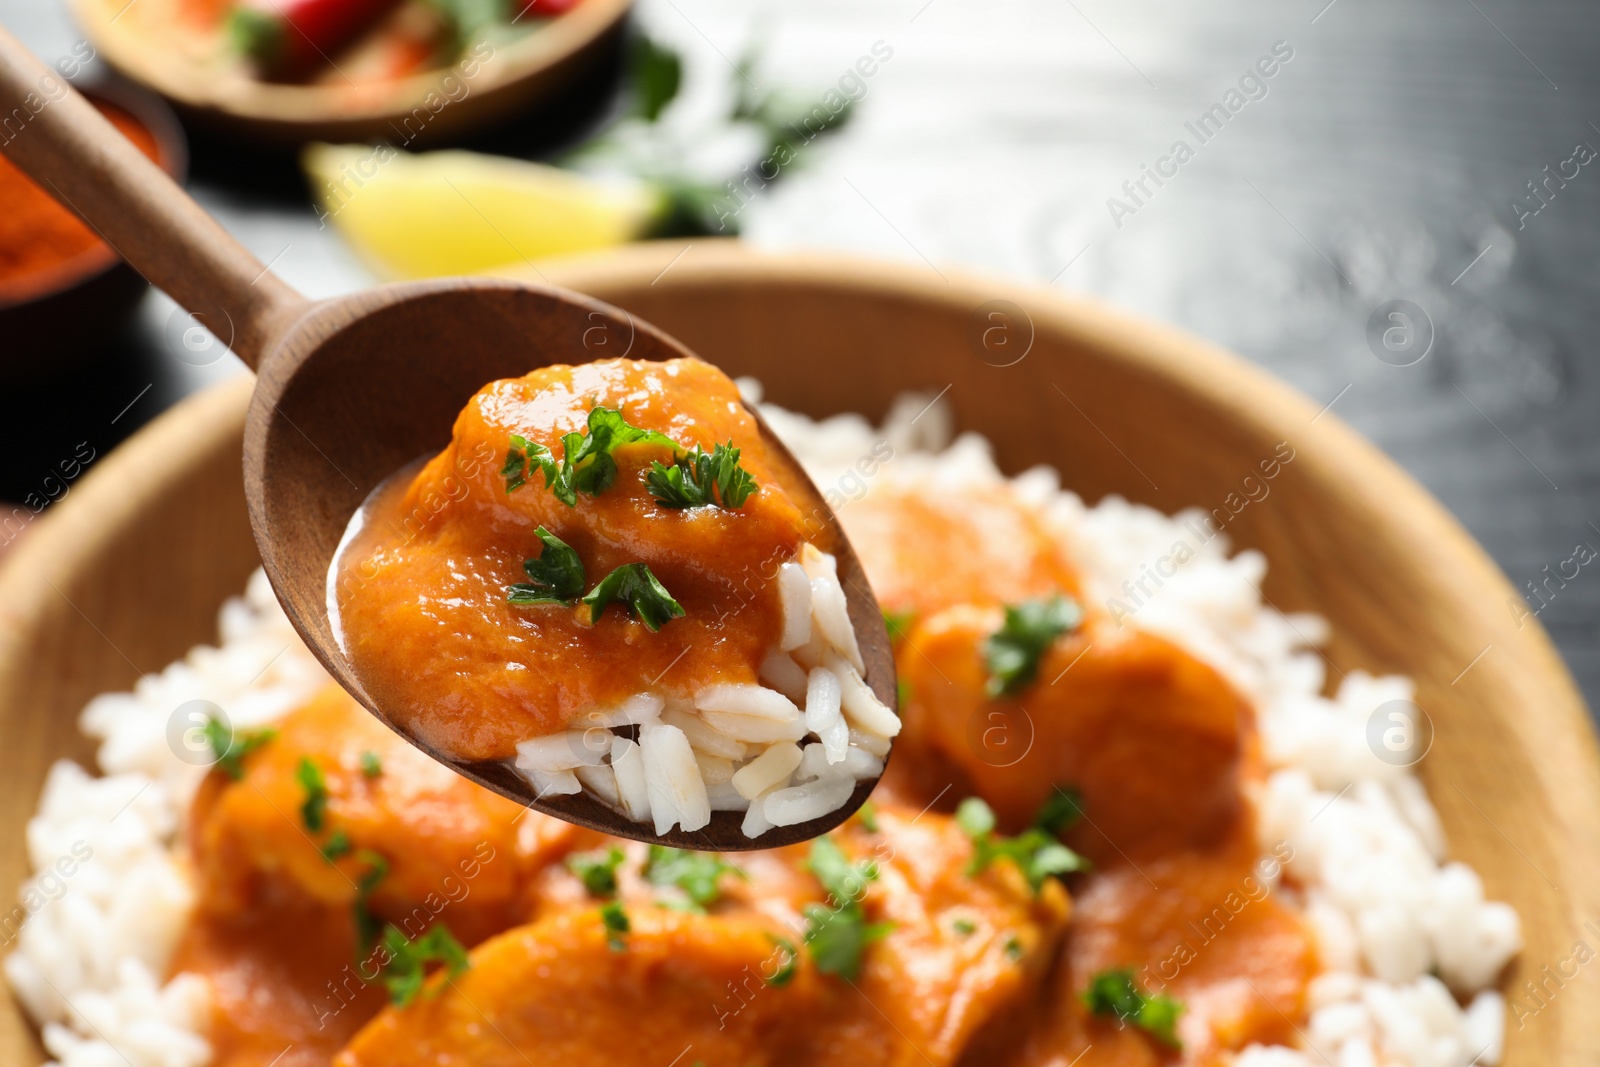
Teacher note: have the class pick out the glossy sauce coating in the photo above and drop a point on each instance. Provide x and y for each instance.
(422, 588)
(965, 952)
(1159, 746)
(977, 968)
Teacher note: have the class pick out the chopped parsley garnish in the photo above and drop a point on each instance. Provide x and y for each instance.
(338, 844)
(902, 692)
(556, 577)
(314, 811)
(964, 927)
(1013, 949)
(366, 925)
(405, 972)
(231, 747)
(616, 924)
(597, 870)
(1061, 812)
(371, 765)
(377, 871)
(645, 598)
(1035, 852)
(868, 814)
(1013, 654)
(587, 464)
(791, 963)
(837, 934)
(898, 623)
(697, 480)
(696, 873)
(1116, 993)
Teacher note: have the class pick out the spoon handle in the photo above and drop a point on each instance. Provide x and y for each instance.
(62, 142)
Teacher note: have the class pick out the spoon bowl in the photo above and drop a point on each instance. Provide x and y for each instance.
(351, 389)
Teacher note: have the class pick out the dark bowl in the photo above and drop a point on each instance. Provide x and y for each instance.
(67, 313)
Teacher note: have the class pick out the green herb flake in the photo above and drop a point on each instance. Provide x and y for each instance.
(1013, 654)
(338, 845)
(791, 963)
(314, 810)
(521, 458)
(405, 972)
(1115, 993)
(696, 873)
(231, 747)
(597, 870)
(838, 939)
(1061, 812)
(645, 598)
(898, 623)
(964, 927)
(1035, 852)
(868, 815)
(1013, 949)
(371, 765)
(587, 464)
(697, 479)
(556, 577)
(616, 924)
(377, 869)
(837, 934)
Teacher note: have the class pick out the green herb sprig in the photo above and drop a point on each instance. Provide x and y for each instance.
(791, 963)
(698, 874)
(1115, 993)
(597, 870)
(616, 923)
(587, 464)
(898, 623)
(405, 972)
(556, 577)
(1035, 851)
(232, 746)
(1013, 654)
(338, 845)
(837, 933)
(377, 869)
(314, 809)
(639, 591)
(697, 479)
(1061, 812)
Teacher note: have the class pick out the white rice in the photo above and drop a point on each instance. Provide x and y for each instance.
(1368, 863)
(816, 663)
(88, 961)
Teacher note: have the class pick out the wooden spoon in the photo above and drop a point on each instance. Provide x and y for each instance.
(350, 389)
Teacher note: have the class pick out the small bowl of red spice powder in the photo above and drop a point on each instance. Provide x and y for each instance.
(64, 292)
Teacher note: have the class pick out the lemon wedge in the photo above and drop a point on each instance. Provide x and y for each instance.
(424, 215)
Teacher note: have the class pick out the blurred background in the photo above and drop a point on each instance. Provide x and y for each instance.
(1395, 207)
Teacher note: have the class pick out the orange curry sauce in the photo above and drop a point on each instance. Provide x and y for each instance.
(973, 967)
(422, 586)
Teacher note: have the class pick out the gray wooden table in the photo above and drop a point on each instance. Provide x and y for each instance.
(1386, 157)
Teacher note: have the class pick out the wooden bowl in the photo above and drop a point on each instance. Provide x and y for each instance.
(127, 574)
(418, 111)
(54, 318)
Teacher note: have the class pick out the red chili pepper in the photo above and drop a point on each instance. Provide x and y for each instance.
(547, 8)
(287, 38)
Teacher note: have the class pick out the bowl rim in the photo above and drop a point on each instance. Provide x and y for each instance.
(172, 155)
(315, 106)
(161, 455)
